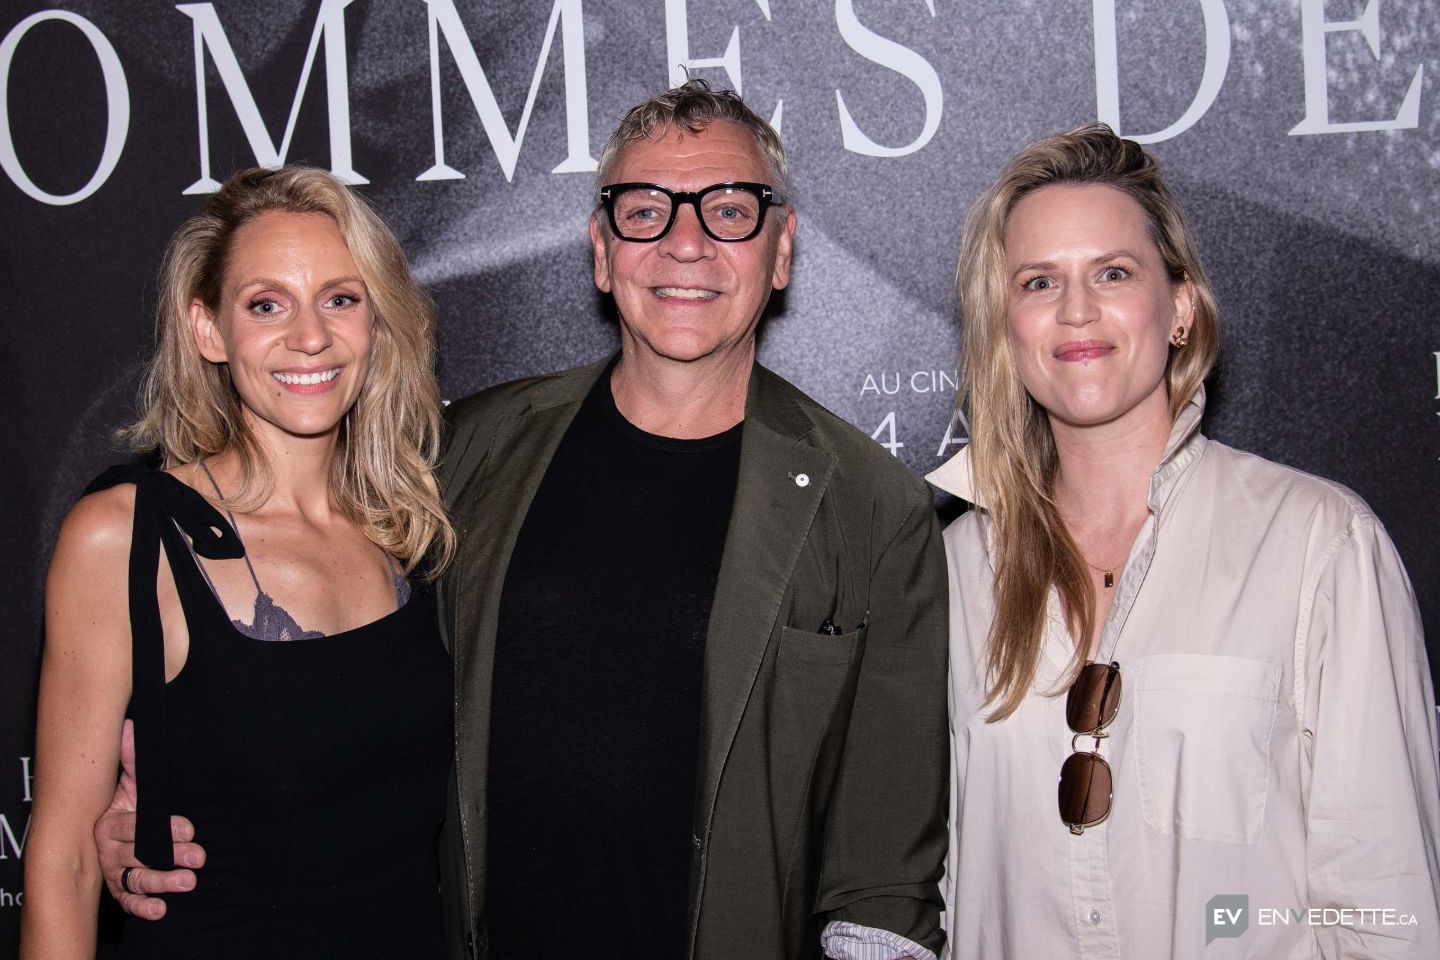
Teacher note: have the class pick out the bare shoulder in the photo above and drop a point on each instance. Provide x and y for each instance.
(87, 627)
(101, 520)
(95, 535)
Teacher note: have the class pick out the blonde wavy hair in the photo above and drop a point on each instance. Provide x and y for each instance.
(382, 473)
(1013, 456)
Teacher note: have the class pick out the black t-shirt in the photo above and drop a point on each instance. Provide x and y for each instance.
(595, 713)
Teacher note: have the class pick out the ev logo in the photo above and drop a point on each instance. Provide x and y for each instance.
(1227, 915)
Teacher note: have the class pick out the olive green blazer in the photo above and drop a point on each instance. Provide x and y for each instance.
(822, 780)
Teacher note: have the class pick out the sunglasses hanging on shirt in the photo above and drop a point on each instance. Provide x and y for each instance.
(1086, 784)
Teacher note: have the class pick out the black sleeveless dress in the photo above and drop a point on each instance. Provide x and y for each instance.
(314, 770)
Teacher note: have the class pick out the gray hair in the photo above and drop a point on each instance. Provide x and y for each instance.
(693, 106)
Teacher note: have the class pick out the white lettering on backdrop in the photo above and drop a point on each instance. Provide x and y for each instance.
(567, 19)
(117, 101)
(903, 61)
(210, 34)
(1107, 70)
(445, 19)
(1314, 27)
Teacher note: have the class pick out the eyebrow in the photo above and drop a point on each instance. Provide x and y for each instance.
(1031, 265)
(268, 282)
(1050, 265)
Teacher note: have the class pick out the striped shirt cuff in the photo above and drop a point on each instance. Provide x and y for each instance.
(851, 941)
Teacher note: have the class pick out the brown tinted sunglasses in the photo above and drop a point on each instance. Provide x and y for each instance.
(1085, 780)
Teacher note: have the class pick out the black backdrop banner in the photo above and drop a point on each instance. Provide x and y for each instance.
(1301, 136)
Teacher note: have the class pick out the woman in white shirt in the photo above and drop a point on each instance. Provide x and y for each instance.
(1249, 713)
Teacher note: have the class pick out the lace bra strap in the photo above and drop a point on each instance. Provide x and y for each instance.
(397, 580)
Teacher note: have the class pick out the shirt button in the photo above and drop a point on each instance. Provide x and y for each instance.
(802, 479)
(1095, 917)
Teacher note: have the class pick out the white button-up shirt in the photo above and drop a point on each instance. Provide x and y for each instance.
(1275, 740)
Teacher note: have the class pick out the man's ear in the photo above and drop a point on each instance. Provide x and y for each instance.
(602, 258)
(784, 249)
(207, 333)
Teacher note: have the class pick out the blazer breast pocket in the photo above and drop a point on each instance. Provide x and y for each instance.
(809, 646)
(1203, 725)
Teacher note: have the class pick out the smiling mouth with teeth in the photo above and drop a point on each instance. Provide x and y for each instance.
(306, 379)
(685, 293)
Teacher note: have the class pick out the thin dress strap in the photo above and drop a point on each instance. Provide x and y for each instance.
(248, 565)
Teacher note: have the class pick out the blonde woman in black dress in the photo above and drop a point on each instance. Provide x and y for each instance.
(289, 688)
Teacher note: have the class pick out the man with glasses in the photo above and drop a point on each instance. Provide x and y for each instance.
(699, 623)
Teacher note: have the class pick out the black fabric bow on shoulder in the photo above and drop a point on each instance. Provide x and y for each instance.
(164, 507)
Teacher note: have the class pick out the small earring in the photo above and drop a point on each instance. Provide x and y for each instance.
(1179, 338)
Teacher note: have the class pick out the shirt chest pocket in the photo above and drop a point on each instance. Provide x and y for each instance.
(1203, 725)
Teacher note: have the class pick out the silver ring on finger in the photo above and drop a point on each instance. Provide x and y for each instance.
(125, 880)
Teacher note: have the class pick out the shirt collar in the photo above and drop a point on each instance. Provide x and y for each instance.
(1183, 447)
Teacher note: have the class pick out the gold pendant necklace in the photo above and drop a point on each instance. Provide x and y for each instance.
(1108, 573)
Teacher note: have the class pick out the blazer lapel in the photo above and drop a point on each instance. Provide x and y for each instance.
(781, 482)
(489, 505)
(490, 492)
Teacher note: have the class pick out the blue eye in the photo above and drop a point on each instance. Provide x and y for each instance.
(342, 300)
(1115, 273)
(734, 209)
(1039, 283)
(264, 307)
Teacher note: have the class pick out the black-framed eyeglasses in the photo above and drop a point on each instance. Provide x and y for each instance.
(1086, 783)
(728, 212)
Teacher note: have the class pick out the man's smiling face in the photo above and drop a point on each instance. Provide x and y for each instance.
(686, 296)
